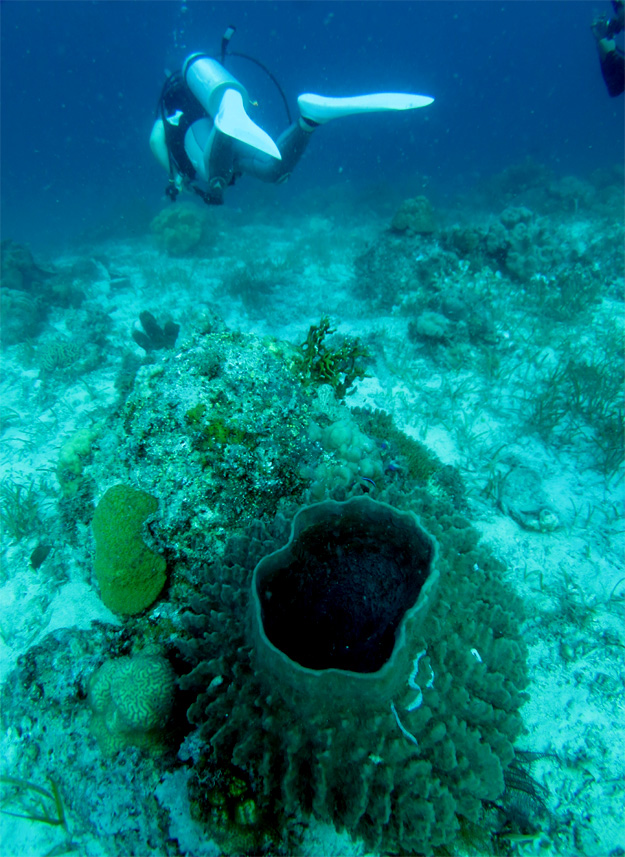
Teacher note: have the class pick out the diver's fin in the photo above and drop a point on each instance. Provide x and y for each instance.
(231, 119)
(319, 108)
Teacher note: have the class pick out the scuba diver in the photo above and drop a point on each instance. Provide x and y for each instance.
(611, 57)
(205, 140)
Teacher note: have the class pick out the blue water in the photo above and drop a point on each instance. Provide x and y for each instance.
(80, 81)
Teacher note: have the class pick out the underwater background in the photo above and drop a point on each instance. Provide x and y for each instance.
(81, 81)
(403, 368)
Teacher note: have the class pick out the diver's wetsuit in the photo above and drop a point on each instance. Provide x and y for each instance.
(613, 71)
(611, 58)
(176, 96)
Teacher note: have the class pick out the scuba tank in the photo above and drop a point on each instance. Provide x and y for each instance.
(223, 98)
(208, 80)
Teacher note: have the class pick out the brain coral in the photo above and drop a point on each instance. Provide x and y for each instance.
(131, 699)
(130, 575)
(399, 762)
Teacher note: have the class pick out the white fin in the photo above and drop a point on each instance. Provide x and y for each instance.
(320, 108)
(232, 120)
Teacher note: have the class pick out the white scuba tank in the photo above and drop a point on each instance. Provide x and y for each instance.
(208, 80)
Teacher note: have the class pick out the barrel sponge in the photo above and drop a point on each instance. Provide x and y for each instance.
(131, 699)
(130, 575)
(398, 760)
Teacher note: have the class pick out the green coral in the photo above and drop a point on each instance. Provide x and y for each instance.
(195, 415)
(130, 575)
(218, 432)
(131, 699)
(339, 366)
(215, 432)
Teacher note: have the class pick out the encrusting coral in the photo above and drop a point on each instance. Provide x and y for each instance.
(73, 456)
(130, 575)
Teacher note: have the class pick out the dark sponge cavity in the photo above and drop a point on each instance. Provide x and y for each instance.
(339, 602)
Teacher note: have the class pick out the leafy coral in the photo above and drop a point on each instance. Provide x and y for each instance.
(339, 366)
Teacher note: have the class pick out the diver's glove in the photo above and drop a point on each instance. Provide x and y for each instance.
(317, 109)
(600, 27)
